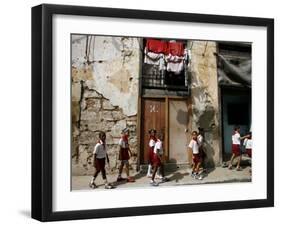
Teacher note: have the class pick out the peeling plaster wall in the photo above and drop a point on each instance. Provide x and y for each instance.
(105, 73)
(204, 94)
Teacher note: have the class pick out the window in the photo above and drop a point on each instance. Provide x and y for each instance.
(165, 64)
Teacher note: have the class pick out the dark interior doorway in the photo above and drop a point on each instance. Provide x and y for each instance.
(236, 110)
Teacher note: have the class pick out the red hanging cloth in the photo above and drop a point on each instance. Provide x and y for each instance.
(176, 48)
(156, 46)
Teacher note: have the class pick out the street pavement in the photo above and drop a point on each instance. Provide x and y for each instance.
(176, 177)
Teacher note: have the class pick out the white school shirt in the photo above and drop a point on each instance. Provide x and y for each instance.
(158, 146)
(123, 144)
(194, 146)
(248, 143)
(236, 138)
(200, 140)
(151, 143)
(100, 150)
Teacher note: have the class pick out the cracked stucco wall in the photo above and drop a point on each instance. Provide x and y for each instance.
(205, 99)
(105, 73)
(105, 84)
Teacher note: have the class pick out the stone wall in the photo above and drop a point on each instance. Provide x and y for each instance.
(205, 99)
(105, 73)
(105, 84)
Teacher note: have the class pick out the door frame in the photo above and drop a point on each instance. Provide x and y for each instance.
(222, 90)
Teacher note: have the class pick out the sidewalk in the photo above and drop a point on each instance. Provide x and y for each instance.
(177, 177)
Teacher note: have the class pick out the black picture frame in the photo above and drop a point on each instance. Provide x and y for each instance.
(42, 111)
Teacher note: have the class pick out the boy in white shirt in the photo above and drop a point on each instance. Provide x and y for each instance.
(124, 156)
(196, 157)
(157, 160)
(100, 155)
(236, 142)
(248, 143)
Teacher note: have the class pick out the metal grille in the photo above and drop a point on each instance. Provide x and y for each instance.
(153, 78)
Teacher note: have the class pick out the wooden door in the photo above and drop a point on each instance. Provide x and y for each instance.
(178, 123)
(153, 116)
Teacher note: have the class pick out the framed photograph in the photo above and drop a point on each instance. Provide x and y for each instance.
(145, 112)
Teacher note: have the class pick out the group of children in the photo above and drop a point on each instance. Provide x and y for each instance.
(198, 154)
(155, 155)
(100, 156)
(236, 147)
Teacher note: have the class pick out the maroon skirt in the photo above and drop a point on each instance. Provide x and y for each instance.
(156, 160)
(100, 164)
(196, 158)
(151, 155)
(249, 152)
(124, 154)
(236, 149)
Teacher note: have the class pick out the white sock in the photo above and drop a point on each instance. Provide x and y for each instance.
(149, 170)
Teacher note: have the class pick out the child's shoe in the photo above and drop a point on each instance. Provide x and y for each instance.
(153, 183)
(164, 179)
(193, 175)
(158, 177)
(238, 168)
(108, 186)
(92, 185)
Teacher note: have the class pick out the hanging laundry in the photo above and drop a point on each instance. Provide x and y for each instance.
(154, 59)
(156, 46)
(174, 63)
(176, 48)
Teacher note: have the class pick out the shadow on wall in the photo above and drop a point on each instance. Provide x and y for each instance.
(209, 159)
(182, 117)
(206, 121)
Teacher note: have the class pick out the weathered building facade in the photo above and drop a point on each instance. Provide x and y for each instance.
(112, 88)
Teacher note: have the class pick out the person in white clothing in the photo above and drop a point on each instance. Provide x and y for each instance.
(151, 144)
(236, 153)
(100, 155)
(248, 143)
(194, 147)
(157, 160)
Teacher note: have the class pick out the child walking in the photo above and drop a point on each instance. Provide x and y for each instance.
(151, 144)
(236, 142)
(157, 161)
(248, 143)
(196, 157)
(100, 154)
(124, 156)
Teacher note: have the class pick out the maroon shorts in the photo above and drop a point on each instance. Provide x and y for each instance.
(236, 149)
(150, 155)
(249, 152)
(156, 160)
(100, 164)
(196, 158)
(124, 154)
